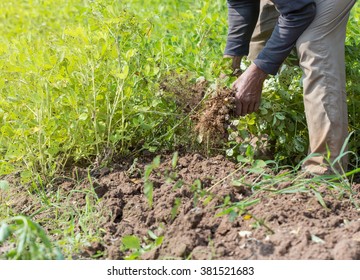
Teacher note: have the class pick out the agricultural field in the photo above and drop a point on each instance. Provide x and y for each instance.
(117, 141)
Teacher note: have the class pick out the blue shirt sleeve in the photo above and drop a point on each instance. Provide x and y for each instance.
(295, 17)
(242, 18)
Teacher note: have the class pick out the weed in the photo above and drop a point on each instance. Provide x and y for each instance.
(30, 239)
(174, 160)
(148, 185)
(134, 245)
(175, 208)
(199, 193)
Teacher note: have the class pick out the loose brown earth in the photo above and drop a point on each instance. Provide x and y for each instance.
(294, 226)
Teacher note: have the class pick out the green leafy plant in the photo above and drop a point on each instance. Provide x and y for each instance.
(278, 131)
(352, 49)
(30, 240)
(89, 85)
(234, 210)
(148, 184)
(134, 245)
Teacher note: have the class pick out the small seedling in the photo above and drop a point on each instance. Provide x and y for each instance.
(148, 185)
(174, 160)
(198, 191)
(133, 244)
(237, 209)
(175, 208)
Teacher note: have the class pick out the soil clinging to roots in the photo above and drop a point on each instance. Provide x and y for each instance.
(210, 107)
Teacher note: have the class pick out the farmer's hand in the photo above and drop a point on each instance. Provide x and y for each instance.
(248, 89)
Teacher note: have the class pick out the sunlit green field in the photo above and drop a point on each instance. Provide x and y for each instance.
(80, 84)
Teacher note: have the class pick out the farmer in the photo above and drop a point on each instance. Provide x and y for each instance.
(317, 28)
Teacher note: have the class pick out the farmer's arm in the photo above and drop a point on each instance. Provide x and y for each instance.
(242, 18)
(295, 17)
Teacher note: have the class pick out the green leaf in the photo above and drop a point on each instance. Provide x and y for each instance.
(125, 72)
(317, 239)
(152, 234)
(178, 184)
(244, 204)
(249, 152)
(255, 170)
(41, 233)
(230, 152)
(4, 185)
(174, 209)
(227, 200)
(148, 191)
(263, 111)
(274, 121)
(156, 162)
(133, 256)
(130, 53)
(4, 232)
(148, 170)
(22, 242)
(159, 241)
(259, 163)
(225, 212)
(236, 183)
(320, 199)
(280, 116)
(196, 185)
(83, 117)
(147, 70)
(151, 149)
(174, 160)
(156, 70)
(233, 215)
(242, 159)
(131, 242)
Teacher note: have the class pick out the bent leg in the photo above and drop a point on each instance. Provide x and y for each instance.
(264, 27)
(322, 58)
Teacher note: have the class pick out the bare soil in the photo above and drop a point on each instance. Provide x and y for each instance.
(281, 226)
